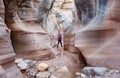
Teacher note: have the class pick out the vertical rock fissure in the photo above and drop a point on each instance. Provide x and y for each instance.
(82, 58)
(44, 12)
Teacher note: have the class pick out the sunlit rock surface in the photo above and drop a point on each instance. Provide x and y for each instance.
(7, 67)
(99, 36)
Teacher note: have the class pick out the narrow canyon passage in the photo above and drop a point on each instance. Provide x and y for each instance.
(89, 32)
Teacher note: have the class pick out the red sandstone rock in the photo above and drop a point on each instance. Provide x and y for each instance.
(99, 40)
(7, 67)
(29, 35)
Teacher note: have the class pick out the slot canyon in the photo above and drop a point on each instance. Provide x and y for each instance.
(29, 32)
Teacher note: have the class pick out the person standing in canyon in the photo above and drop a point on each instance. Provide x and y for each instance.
(59, 40)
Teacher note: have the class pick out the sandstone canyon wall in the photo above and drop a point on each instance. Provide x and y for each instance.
(29, 28)
(35, 24)
(27, 21)
(8, 69)
(99, 35)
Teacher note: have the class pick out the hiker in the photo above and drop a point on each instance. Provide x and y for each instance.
(59, 40)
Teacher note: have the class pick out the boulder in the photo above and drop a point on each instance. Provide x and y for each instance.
(21, 64)
(43, 75)
(62, 72)
(77, 74)
(52, 76)
(95, 71)
(114, 71)
(42, 66)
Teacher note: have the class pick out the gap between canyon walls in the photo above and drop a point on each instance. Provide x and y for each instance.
(90, 29)
(33, 23)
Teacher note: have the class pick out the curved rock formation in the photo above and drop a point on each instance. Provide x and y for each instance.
(93, 26)
(99, 36)
(8, 69)
(28, 26)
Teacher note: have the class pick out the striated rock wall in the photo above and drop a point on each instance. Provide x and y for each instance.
(35, 24)
(8, 69)
(99, 36)
(27, 20)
